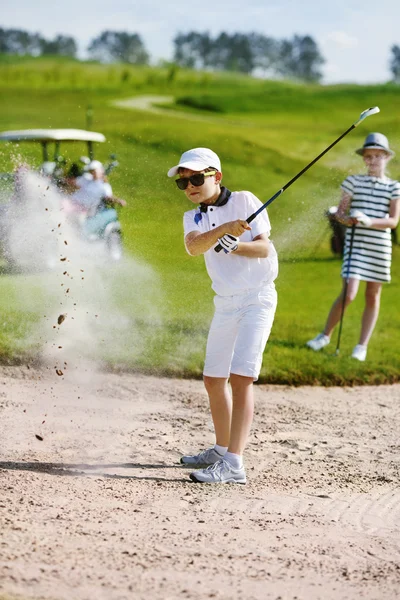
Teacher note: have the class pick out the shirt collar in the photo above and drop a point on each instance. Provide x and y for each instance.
(220, 201)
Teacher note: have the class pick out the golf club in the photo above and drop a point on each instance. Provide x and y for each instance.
(346, 283)
(366, 113)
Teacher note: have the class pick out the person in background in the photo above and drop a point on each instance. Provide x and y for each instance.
(371, 202)
(93, 198)
(242, 275)
(68, 183)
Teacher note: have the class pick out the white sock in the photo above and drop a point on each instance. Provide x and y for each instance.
(220, 449)
(235, 460)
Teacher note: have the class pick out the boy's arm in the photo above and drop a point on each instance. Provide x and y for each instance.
(197, 243)
(257, 248)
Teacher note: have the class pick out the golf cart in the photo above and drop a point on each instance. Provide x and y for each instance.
(53, 172)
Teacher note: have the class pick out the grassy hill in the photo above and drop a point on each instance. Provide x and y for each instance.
(264, 132)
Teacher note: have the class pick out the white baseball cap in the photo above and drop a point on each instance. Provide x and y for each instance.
(197, 159)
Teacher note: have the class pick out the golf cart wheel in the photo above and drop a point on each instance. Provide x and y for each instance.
(114, 245)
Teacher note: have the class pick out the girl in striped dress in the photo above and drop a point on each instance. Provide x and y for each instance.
(371, 202)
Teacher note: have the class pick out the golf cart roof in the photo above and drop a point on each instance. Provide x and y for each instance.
(52, 135)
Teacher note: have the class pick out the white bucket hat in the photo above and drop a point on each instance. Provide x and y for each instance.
(377, 141)
(197, 159)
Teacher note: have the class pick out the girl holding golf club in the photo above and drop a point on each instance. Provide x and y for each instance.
(242, 277)
(370, 207)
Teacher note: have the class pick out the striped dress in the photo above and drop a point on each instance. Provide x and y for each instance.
(371, 254)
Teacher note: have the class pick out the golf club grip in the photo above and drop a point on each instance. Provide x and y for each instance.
(249, 219)
(218, 247)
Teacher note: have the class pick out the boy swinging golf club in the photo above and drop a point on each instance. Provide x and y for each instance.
(243, 280)
(245, 302)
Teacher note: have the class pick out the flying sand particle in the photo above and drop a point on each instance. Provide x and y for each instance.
(38, 437)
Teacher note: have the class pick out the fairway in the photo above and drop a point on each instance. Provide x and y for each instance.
(160, 300)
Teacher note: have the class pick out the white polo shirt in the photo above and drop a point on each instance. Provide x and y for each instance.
(232, 274)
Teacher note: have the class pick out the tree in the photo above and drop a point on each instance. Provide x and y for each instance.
(265, 52)
(118, 46)
(193, 50)
(233, 53)
(62, 45)
(395, 63)
(17, 41)
(300, 58)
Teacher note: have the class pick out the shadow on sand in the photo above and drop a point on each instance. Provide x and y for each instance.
(87, 470)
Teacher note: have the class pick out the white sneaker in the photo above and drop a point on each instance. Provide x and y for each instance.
(204, 458)
(220, 472)
(360, 352)
(319, 342)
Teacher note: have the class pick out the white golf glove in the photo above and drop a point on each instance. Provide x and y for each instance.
(229, 243)
(361, 217)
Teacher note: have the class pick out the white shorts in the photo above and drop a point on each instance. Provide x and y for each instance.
(239, 332)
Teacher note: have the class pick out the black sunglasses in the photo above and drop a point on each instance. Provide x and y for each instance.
(197, 180)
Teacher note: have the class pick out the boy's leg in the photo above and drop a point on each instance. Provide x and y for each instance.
(221, 407)
(257, 316)
(220, 344)
(229, 469)
(242, 414)
(221, 412)
(221, 339)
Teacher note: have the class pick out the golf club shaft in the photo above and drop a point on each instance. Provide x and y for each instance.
(285, 187)
(363, 115)
(346, 283)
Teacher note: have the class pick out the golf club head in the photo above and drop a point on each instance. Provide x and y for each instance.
(367, 113)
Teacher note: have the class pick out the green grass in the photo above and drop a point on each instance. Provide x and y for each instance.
(265, 132)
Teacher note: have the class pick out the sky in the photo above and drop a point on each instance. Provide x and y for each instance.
(354, 36)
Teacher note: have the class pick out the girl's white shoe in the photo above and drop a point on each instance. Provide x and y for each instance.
(319, 342)
(360, 352)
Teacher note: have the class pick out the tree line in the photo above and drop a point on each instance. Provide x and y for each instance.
(250, 53)
(17, 41)
(298, 57)
(108, 47)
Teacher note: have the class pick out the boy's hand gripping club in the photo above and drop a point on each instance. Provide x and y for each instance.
(364, 115)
